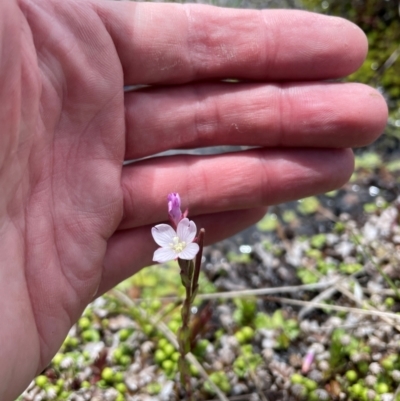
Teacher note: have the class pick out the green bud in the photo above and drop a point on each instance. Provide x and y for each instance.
(225, 386)
(102, 384)
(147, 329)
(107, 374)
(159, 356)
(356, 389)
(240, 337)
(174, 326)
(57, 359)
(41, 381)
(60, 383)
(125, 360)
(193, 370)
(118, 377)
(155, 305)
(248, 333)
(71, 342)
(296, 378)
(117, 354)
(175, 356)
(84, 323)
(90, 335)
(64, 395)
(388, 362)
(389, 302)
(382, 388)
(162, 342)
(310, 384)
(351, 376)
(124, 334)
(167, 365)
(121, 388)
(169, 349)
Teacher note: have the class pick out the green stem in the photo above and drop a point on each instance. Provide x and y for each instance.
(190, 272)
(187, 270)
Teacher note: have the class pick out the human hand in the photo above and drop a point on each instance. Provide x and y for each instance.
(73, 221)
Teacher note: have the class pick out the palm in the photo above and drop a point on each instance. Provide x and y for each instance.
(73, 220)
(68, 160)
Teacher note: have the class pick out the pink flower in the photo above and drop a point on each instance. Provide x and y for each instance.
(307, 361)
(175, 244)
(174, 208)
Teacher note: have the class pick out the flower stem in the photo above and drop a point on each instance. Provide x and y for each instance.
(190, 272)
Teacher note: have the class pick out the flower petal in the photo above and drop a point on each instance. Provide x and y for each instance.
(162, 255)
(163, 234)
(189, 252)
(186, 230)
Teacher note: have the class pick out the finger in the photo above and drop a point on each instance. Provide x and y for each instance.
(129, 250)
(233, 181)
(173, 43)
(307, 115)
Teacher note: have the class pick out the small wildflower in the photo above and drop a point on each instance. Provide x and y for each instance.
(175, 244)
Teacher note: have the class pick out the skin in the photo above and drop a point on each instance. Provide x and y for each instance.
(74, 221)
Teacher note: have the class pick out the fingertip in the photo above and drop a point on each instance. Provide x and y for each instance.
(350, 44)
(360, 45)
(376, 116)
(349, 48)
(346, 167)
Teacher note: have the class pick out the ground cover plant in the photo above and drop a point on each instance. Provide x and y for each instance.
(323, 322)
(305, 306)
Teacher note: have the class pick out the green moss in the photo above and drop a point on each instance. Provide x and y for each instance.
(368, 161)
(289, 216)
(318, 241)
(268, 223)
(308, 206)
(306, 276)
(220, 380)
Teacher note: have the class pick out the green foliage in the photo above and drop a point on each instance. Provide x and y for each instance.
(201, 347)
(220, 380)
(268, 223)
(287, 329)
(289, 216)
(315, 254)
(342, 346)
(245, 311)
(370, 208)
(247, 361)
(318, 241)
(339, 227)
(350, 268)
(154, 388)
(244, 335)
(393, 166)
(307, 276)
(368, 161)
(325, 267)
(308, 206)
